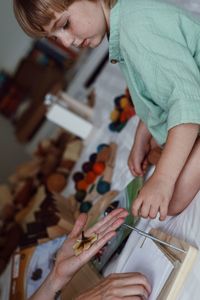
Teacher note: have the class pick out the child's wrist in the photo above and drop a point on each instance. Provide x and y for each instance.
(165, 177)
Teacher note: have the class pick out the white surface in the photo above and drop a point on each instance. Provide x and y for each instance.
(148, 259)
(69, 121)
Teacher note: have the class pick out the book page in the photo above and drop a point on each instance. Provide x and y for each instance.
(149, 260)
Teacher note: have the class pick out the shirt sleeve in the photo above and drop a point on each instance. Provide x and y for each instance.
(170, 71)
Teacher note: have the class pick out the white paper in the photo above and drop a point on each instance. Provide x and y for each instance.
(149, 260)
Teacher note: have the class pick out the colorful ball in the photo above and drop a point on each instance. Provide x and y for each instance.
(80, 195)
(98, 167)
(101, 146)
(85, 206)
(103, 187)
(78, 176)
(117, 101)
(87, 166)
(113, 126)
(93, 157)
(124, 102)
(114, 116)
(90, 177)
(82, 185)
(124, 116)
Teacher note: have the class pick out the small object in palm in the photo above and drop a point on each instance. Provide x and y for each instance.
(84, 243)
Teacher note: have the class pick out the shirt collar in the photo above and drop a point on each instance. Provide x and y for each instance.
(114, 49)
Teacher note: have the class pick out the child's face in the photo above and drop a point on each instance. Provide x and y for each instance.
(83, 24)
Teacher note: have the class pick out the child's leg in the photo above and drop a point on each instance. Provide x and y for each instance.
(188, 183)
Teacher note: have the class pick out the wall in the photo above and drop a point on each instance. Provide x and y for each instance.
(13, 42)
(13, 45)
(11, 152)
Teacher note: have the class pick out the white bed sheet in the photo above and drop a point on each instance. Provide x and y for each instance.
(185, 226)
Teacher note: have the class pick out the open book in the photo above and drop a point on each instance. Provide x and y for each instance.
(165, 268)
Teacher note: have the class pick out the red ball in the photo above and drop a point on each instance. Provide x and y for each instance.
(82, 185)
(90, 177)
(99, 167)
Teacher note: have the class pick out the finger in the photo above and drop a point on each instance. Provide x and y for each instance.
(130, 290)
(111, 216)
(112, 223)
(138, 168)
(136, 206)
(153, 212)
(113, 227)
(145, 164)
(78, 226)
(163, 211)
(131, 278)
(144, 210)
(131, 168)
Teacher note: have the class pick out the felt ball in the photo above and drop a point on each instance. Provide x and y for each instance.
(56, 182)
(117, 100)
(120, 127)
(114, 126)
(124, 116)
(130, 111)
(124, 102)
(78, 176)
(85, 206)
(114, 116)
(93, 157)
(80, 195)
(101, 146)
(103, 187)
(87, 166)
(82, 185)
(90, 177)
(98, 167)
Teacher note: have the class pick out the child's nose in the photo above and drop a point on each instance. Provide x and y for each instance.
(66, 39)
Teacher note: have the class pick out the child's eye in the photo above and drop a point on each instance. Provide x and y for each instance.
(66, 25)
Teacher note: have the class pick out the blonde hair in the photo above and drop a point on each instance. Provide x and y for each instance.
(33, 15)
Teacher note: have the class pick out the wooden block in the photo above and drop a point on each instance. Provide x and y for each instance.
(55, 231)
(84, 279)
(100, 206)
(73, 150)
(66, 225)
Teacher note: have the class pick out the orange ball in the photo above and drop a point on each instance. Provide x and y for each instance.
(99, 167)
(82, 185)
(90, 177)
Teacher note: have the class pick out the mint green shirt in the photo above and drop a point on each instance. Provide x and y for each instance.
(158, 48)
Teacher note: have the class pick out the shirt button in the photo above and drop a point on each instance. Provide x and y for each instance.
(114, 61)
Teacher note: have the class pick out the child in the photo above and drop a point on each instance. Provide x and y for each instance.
(157, 46)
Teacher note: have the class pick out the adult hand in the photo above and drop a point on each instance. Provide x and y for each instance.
(129, 286)
(67, 264)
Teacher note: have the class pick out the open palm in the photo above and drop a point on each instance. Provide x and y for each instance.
(67, 264)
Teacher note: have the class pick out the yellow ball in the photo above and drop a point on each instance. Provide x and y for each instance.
(124, 102)
(114, 115)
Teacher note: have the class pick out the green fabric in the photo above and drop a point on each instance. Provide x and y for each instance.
(158, 48)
